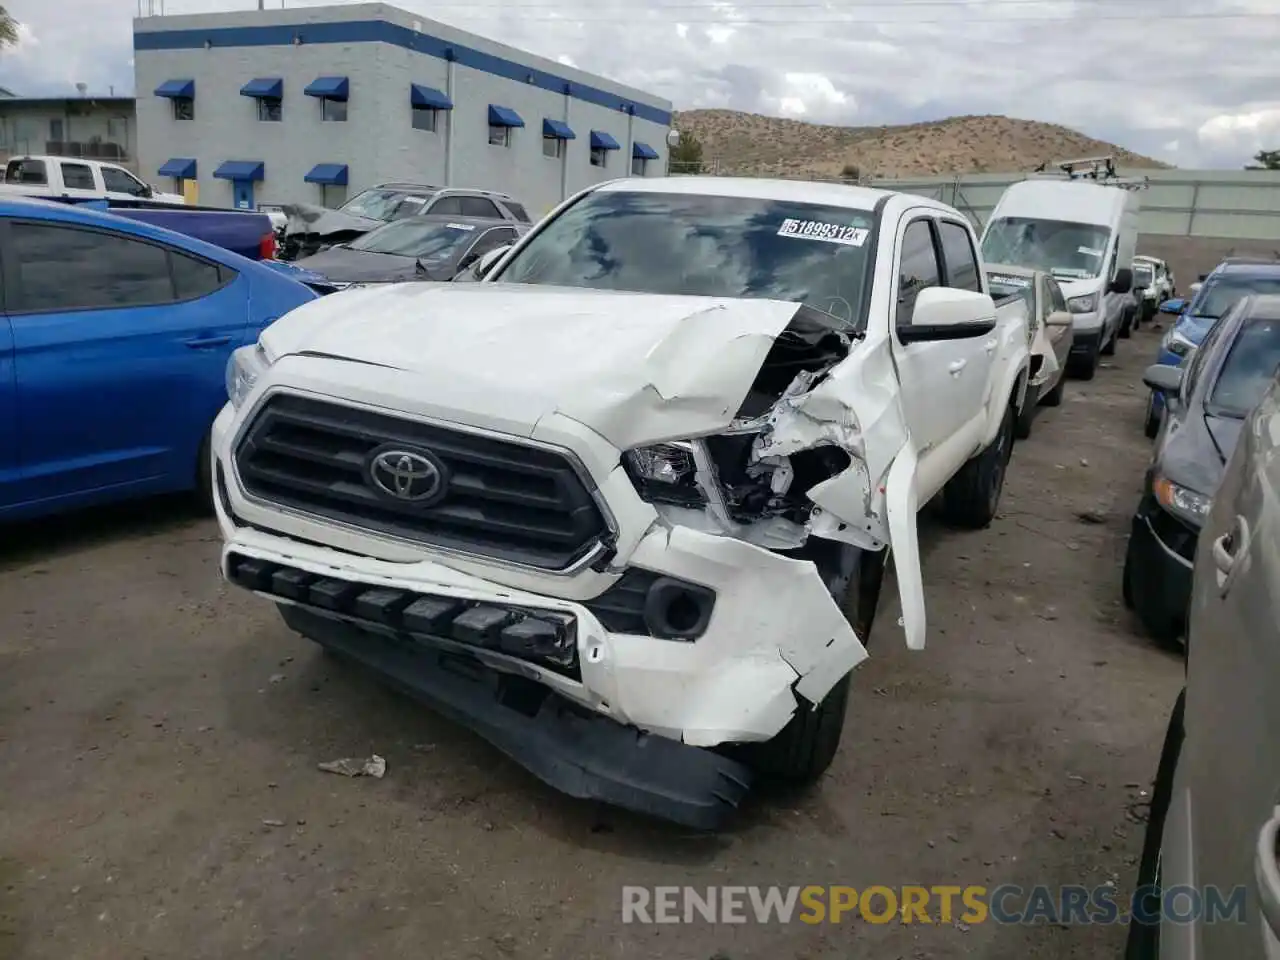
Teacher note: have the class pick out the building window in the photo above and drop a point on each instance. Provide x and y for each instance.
(637, 166)
(335, 110)
(333, 195)
(599, 156)
(55, 130)
(270, 109)
(552, 147)
(184, 108)
(499, 136)
(425, 118)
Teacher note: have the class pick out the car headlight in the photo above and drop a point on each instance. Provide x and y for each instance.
(665, 473)
(1177, 344)
(244, 366)
(1085, 304)
(1181, 501)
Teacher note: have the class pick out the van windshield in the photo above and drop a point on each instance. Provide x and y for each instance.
(1067, 250)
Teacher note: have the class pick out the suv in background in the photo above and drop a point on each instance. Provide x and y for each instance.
(312, 228)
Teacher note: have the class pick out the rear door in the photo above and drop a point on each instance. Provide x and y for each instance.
(119, 350)
(1224, 817)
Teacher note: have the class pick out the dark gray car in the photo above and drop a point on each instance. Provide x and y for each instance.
(429, 247)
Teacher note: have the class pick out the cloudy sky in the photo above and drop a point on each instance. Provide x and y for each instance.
(1192, 82)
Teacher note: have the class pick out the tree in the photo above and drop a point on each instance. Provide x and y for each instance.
(1265, 160)
(686, 156)
(8, 28)
(851, 171)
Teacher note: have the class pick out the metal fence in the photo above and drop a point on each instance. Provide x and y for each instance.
(1230, 204)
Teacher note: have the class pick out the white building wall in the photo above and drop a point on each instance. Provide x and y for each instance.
(378, 141)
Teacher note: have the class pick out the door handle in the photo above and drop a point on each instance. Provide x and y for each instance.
(1227, 551)
(199, 343)
(1267, 872)
(955, 366)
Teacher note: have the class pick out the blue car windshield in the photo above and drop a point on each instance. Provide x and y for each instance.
(1217, 296)
(1248, 371)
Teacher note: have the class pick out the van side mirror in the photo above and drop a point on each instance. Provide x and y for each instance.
(1123, 281)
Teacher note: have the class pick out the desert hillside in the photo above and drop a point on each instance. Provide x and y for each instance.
(749, 143)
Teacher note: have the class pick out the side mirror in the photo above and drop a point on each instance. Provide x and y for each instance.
(1163, 378)
(1058, 318)
(945, 313)
(1123, 281)
(1174, 307)
(487, 261)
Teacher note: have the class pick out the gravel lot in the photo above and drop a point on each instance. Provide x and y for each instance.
(159, 736)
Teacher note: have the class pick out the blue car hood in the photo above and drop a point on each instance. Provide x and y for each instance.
(1194, 328)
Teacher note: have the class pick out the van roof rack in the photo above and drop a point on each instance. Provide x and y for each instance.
(1098, 169)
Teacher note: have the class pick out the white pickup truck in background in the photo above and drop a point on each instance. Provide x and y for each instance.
(624, 506)
(71, 178)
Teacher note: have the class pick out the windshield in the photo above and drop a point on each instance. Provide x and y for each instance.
(431, 240)
(382, 203)
(1248, 371)
(1143, 276)
(1004, 285)
(1216, 297)
(1072, 251)
(676, 243)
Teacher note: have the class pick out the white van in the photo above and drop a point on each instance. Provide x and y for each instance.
(1085, 235)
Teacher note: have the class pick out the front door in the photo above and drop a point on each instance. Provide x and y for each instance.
(10, 464)
(242, 194)
(120, 347)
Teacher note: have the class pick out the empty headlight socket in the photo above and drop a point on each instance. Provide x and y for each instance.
(676, 610)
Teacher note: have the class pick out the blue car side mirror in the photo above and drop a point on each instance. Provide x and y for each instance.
(1175, 306)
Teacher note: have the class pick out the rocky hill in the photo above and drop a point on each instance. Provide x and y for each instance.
(747, 143)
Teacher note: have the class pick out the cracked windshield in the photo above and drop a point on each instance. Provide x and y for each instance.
(639, 479)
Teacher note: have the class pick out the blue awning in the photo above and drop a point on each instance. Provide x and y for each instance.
(602, 141)
(265, 88)
(334, 174)
(184, 168)
(177, 88)
(504, 117)
(643, 151)
(558, 129)
(421, 96)
(333, 88)
(241, 170)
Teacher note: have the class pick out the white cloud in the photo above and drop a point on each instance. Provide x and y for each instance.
(1206, 84)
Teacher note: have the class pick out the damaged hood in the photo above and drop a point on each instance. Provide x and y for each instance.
(636, 368)
(310, 218)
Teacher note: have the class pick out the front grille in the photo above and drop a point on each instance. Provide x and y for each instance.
(503, 499)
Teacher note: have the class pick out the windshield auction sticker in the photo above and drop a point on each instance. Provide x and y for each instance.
(826, 232)
(1023, 283)
(461, 226)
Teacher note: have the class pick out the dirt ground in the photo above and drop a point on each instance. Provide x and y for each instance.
(159, 735)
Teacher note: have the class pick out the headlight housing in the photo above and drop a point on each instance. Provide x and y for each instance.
(665, 473)
(1177, 344)
(1084, 304)
(1182, 502)
(244, 366)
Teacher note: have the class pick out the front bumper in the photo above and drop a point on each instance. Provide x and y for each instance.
(1161, 558)
(775, 639)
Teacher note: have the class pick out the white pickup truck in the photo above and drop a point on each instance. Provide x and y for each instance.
(623, 507)
(72, 178)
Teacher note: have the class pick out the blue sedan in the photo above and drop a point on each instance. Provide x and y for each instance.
(113, 349)
(1228, 282)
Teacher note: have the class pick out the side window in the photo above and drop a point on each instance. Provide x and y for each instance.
(195, 278)
(77, 176)
(957, 251)
(117, 181)
(919, 268)
(67, 268)
(517, 210)
(447, 206)
(1057, 302)
(492, 241)
(26, 171)
(479, 207)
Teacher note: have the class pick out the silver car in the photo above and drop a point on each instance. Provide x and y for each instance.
(1215, 811)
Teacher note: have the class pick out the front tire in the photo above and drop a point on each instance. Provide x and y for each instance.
(971, 497)
(204, 477)
(1022, 425)
(1084, 367)
(1054, 397)
(1152, 425)
(1109, 348)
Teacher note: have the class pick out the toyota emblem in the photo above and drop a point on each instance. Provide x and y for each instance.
(408, 475)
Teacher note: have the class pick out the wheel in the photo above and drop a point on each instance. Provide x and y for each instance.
(204, 477)
(1152, 425)
(1126, 325)
(1109, 348)
(971, 497)
(1126, 583)
(1084, 367)
(1022, 425)
(1143, 941)
(1054, 397)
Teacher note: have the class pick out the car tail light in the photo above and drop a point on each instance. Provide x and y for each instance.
(267, 247)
